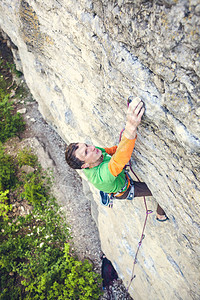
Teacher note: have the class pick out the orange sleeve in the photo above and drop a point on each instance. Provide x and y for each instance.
(121, 156)
(111, 150)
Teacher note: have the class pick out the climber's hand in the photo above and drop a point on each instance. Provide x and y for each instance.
(134, 115)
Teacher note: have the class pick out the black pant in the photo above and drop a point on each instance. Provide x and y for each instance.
(141, 190)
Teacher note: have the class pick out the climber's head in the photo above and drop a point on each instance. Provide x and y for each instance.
(81, 156)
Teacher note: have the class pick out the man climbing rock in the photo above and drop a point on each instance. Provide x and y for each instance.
(104, 167)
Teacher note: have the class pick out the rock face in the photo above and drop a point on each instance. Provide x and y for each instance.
(81, 60)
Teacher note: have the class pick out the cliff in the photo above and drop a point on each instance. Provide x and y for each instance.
(81, 60)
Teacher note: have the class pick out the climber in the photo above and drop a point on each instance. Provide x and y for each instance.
(104, 167)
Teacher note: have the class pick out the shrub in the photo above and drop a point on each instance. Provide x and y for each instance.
(35, 190)
(25, 157)
(4, 206)
(66, 278)
(7, 171)
(10, 124)
(35, 258)
(35, 251)
(12, 67)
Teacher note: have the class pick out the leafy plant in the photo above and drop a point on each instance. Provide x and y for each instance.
(7, 170)
(35, 251)
(13, 69)
(67, 278)
(4, 206)
(10, 124)
(25, 157)
(3, 92)
(35, 191)
(21, 92)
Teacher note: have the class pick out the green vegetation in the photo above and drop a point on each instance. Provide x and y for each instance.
(7, 170)
(35, 189)
(4, 207)
(12, 68)
(25, 157)
(36, 258)
(11, 123)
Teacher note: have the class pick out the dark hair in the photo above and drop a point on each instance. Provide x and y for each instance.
(70, 157)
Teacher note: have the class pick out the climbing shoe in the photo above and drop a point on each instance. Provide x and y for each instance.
(162, 220)
(104, 198)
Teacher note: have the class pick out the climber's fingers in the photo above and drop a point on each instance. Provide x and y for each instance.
(135, 111)
(139, 107)
(134, 103)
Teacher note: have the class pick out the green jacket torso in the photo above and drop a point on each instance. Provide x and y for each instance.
(101, 177)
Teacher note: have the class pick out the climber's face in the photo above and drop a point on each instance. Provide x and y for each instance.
(89, 154)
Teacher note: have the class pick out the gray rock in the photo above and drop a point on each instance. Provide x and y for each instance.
(22, 111)
(27, 169)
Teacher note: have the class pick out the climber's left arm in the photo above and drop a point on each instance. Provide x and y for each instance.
(127, 143)
(122, 155)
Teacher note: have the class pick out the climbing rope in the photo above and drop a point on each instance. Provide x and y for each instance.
(146, 217)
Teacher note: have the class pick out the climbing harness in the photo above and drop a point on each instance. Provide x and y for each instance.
(107, 199)
(132, 189)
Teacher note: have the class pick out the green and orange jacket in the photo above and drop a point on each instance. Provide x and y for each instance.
(109, 175)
